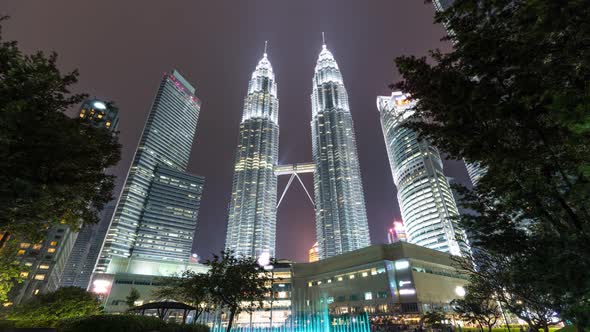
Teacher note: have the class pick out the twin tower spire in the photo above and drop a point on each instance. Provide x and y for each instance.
(341, 220)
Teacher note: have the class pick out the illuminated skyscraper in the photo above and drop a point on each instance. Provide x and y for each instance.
(313, 253)
(252, 210)
(81, 261)
(156, 214)
(423, 192)
(341, 218)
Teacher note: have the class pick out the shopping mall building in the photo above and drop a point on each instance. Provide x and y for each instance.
(398, 281)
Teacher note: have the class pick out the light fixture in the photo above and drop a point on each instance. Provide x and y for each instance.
(460, 291)
(99, 105)
(100, 286)
(264, 258)
(402, 265)
(407, 291)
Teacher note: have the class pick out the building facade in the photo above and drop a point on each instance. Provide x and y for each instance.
(341, 218)
(251, 226)
(100, 114)
(399, 280)
(85, 252)
(45, 262)
(165, 143)
(423, 192)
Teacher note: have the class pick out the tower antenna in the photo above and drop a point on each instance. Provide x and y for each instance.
(323, 39)
(265, 46)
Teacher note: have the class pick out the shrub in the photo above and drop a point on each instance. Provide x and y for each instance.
(112, 323)
(125, 323)
(172, 327)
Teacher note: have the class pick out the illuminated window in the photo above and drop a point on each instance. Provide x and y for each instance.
(108, 124)
(25, 245)
(24, 274)
(21, 252)
(37, 246)
(365, 274)
(339, 278)
(368, 296)
(36, 291)
(351, 276)
(100, 116)
(39, 277)
(53, 243)
(28, 264)
(43, 266)
(51, 250)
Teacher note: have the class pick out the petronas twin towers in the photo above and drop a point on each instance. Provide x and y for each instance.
(341, 219)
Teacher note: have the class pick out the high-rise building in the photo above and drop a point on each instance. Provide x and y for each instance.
(397, 233)
(341, 218)
(423, 192)
(158, 196)
(45, 262)
(252, 210)
(475, 171)
(100, 114)
(313, 253)
(169, 218)
(85, 252)
(81, 261)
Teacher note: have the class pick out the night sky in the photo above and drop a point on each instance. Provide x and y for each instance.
(122, 48)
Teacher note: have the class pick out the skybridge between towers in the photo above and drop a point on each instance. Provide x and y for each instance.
(294, 170)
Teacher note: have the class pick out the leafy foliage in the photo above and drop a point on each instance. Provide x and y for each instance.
(189, 287)
(236, 280)
(10, 269)
(46, 310)
(513, 96)
(478, 307)
(125, 323)
(434, 319)
(52, 165)
(132, 297)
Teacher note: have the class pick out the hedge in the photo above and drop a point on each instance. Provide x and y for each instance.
(124, 323)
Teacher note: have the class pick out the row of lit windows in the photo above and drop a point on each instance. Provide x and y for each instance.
(349, 276)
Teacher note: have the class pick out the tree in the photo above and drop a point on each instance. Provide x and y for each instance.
(52, 165)
(513, 96)
(189, 287)
(434, 319)
(478, 307)
(236, 280)
(132, 297)
(46, 309)
(10, 269)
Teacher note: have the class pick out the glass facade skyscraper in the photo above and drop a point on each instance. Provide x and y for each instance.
(169, 218)
(251, 226)
(341, 218)
(165, 144)
(81, 260)
(423, 192)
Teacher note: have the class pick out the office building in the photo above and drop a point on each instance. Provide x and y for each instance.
(313, 253)
(397, 233)
(100, 114)
(158, 196)
(424, 196)
(251, 228)
(45, 262)
(341, 218)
